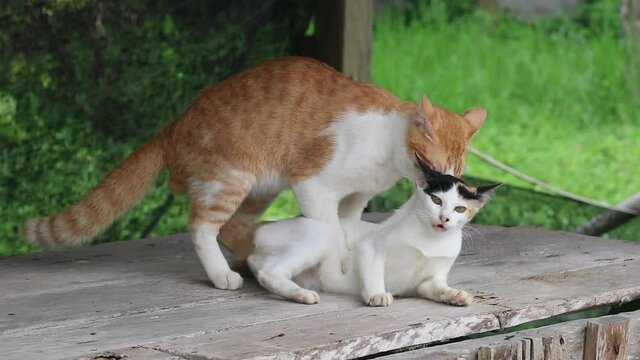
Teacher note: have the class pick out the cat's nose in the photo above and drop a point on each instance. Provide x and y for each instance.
(444, 218)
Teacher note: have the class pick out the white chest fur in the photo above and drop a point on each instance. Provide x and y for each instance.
(370, 152)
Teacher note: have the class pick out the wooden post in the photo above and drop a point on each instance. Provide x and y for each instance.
(496, 352)
(607, 339)
(630, 18)
(344, 30)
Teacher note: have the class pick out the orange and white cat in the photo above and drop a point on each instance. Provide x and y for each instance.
(289, 122)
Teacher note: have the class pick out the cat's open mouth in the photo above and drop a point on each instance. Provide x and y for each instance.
(440, 227)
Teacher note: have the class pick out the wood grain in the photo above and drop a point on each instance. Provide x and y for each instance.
(154, 294)
(607, 339)
(570, 347)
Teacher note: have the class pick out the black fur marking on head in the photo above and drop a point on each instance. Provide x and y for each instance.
(436, 181)
(468, 195)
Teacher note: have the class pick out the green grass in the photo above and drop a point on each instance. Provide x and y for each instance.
(562, 104)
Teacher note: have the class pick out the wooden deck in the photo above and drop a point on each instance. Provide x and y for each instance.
(150, 299)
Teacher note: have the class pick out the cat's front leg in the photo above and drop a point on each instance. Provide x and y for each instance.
(370, 263)
(321, 203)
(351, 207)
(436, 289)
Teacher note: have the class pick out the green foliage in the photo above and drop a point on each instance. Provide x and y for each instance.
(9, 128)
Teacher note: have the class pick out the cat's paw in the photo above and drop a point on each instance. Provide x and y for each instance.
(384, 299)
(456, 297)
(305, 296)
(228, 280)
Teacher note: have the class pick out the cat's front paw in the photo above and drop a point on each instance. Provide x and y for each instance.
(456, 297)
(228, 280)
(305, 296)
(384, 299)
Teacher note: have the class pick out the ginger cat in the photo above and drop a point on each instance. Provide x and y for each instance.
(289, 122)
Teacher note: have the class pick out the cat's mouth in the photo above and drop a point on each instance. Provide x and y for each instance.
(440, 227)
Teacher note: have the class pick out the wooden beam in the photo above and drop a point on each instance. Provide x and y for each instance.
(611, 219)
(607, 339)
(344, 30)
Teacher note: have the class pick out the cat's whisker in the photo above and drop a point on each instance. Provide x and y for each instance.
(469, 235)
(470, 229)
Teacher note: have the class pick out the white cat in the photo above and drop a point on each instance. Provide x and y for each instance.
(409, 254)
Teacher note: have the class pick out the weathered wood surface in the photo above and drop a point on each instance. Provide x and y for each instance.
(607, 339)
(559, 341)
(153, 295)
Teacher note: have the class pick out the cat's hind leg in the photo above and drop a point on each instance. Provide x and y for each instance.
(237, 234)
(436, 289)
(278, 282)
(275, 267)
(213, 202)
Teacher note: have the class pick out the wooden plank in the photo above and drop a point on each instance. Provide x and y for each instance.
(570, 347)
(500, 352)
(344, 31)
(526, 348)
(554, 348)
(607, 339)
(537, 349)
(517, 350)
(154, 293)
(134, 353)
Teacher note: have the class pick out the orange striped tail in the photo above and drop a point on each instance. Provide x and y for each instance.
(99, 208)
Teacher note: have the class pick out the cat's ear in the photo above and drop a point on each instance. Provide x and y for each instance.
(426, 105)
(485, 192)
(424, 116)
(427, 172)
(475, 117)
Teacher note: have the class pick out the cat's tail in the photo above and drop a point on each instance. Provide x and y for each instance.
(116, 193)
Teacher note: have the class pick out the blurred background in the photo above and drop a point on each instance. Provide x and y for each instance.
(84, 82)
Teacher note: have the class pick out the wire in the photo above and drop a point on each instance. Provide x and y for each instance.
(557, 191)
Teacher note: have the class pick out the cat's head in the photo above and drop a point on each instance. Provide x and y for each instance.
(441, 136)
(447, 202)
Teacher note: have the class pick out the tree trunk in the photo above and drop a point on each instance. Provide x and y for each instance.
(630, 18)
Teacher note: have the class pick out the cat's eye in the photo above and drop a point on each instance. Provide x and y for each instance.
(460, 209)
(436, 200)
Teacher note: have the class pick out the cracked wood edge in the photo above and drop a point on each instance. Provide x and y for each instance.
(558, 341)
